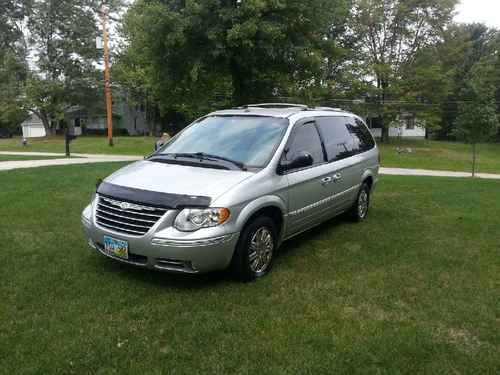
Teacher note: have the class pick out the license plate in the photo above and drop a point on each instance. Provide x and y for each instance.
(114, 247)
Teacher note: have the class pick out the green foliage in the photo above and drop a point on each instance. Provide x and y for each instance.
(62, 37)
(477, 120)
(12, 65)
(181, 59)
(195, 55)
(390, 36)
(464, 47)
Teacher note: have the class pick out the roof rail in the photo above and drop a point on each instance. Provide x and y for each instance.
(325, 109)
(276, 105)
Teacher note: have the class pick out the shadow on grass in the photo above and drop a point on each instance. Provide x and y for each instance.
(212, 279)
(159, 278)
(289, 247)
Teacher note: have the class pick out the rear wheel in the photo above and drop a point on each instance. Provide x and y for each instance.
(254, 254)
(359, 209)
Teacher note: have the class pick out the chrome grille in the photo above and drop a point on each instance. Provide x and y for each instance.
(126, 217)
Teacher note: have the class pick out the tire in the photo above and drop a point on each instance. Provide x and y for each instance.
(250, 263)
(359, 209)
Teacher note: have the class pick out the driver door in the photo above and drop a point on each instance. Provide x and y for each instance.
(309, 188)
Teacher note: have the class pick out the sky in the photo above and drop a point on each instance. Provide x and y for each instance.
(485, 11)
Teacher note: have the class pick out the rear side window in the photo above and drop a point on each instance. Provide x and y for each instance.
(363, 140)
(336, 138)
(306, 139)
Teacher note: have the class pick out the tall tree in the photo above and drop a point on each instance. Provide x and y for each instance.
(477, 119)
(462, 48)
(391, 33)
(195, 55)
(62, 38)
(12, 61)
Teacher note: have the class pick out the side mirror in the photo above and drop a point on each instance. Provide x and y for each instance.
(302, 160)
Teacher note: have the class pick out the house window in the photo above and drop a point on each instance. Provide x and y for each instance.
(410, 123)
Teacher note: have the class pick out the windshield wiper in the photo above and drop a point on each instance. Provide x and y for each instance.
(201, 156)
(205, 156)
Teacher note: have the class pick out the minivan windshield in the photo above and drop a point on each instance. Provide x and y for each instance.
(250, 140)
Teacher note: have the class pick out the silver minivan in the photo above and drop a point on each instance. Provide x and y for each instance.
(232, 186)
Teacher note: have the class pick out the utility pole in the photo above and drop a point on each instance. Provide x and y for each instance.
(107, 79)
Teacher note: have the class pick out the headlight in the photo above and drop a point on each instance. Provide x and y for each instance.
(191, 219)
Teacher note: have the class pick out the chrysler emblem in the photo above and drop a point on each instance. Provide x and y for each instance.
(125, 206)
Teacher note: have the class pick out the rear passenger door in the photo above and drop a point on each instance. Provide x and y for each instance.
(309, 191)
(343, 160)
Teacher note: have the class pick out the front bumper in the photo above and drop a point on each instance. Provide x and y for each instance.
(178, 255)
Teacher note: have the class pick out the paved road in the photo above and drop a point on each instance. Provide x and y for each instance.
(78, 159)
(93, 158)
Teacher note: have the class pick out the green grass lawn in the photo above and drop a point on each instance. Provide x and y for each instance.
(26, 157)
(87, 144)
(412, 290)
(438, 155)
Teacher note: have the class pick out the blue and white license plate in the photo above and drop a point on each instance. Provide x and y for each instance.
(115, 247)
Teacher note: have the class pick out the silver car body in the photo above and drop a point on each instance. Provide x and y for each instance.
(302, 199)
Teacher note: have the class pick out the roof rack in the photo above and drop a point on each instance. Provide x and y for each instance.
(276, 105)
(325, 109)
(300, 107)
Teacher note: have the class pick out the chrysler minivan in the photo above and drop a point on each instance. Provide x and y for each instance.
(231, 187)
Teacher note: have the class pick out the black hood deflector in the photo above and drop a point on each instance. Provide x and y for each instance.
(164, 200)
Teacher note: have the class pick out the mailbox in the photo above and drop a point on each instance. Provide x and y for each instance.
(72, 133)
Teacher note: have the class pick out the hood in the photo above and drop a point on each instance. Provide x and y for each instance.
(177, 179)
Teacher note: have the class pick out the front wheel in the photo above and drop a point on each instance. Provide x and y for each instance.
(359, 209)
(254, 254)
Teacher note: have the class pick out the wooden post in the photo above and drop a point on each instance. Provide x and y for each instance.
(107, 78)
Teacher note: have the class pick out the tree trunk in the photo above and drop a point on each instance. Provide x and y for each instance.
(384, 136)
(240, 92)
(45, 121)
(66, 142)
(473, 159)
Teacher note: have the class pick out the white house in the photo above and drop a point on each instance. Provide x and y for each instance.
(33, 127)
(406, 126)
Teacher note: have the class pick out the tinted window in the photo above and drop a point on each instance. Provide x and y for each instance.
(306, 139)
(247, 139)
(362, 138)
(337, 140)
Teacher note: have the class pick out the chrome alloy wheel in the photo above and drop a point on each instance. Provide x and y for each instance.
(261, 250)
(362, 204)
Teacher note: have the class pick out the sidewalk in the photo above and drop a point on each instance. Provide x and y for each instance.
(78, 159)
(426, 172)
(96, 158)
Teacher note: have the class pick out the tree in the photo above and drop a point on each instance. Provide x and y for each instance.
(477, 119)
(391, 33)
(462, 46)
(12, 62)
(62, 38)
(195, 55)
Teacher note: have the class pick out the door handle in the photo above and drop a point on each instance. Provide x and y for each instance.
(337, 177)
(326, 180)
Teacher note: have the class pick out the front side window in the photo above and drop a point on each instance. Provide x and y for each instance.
(336, 137)
(250, 140)
(305, 139)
